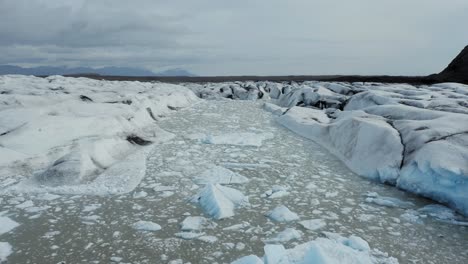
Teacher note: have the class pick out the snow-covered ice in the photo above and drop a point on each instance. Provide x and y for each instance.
(65, 215)
(425, 150)
(59, 132)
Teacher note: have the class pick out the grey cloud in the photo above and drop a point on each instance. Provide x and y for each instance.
(85, 25)
(237, 37)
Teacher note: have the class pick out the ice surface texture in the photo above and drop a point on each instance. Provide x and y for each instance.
(77, 135)
(414, 137)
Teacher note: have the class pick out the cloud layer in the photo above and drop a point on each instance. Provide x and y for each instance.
(237, 37)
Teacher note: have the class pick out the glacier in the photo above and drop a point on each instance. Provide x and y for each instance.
(413, 137)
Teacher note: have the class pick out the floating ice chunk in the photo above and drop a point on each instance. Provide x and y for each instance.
(5, 251)
(219, 201)
(275, 254)
(146, 226)
(208, 239)
(160, 188)
(237, 227)
(356, 243)
(241, 139)
(387, 201)
(6, 225)
(166, 194)
(438, 211)
(313, 224)
(246, 165)
(282, 214)
(116, 259)
(274, 109)
(194, 223)
(276, 192)
(251, 259)
(139, 195)
(25, 205)
(91, 207)
(285, 236)
(189, 235)
(442, 213)
(411, 216)
(240, 246)
(334, 249)
(48, 196)
(221, 175)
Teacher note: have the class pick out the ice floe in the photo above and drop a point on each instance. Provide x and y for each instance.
(276, 192)
(387, 201)
(327, 250)
(6, 225)
(5, 251)
(282, 214)
(285, 236)
(313, 224)
(196, 223)
(219, 175)
(219, 201)
(146, 226)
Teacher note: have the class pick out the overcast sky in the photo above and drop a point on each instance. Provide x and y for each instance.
(217, 37)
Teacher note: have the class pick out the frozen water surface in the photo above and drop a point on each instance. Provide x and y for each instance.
(326, 196)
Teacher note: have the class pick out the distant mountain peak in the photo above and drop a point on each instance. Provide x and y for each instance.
(175, 72)
(109, 71)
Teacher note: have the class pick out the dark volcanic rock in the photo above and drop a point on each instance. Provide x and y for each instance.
(457, 70)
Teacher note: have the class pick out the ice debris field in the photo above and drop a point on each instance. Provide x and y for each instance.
(241, 172)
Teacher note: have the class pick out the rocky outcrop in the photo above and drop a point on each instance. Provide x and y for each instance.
(457, 70)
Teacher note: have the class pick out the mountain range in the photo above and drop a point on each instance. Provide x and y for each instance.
(106, 71)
